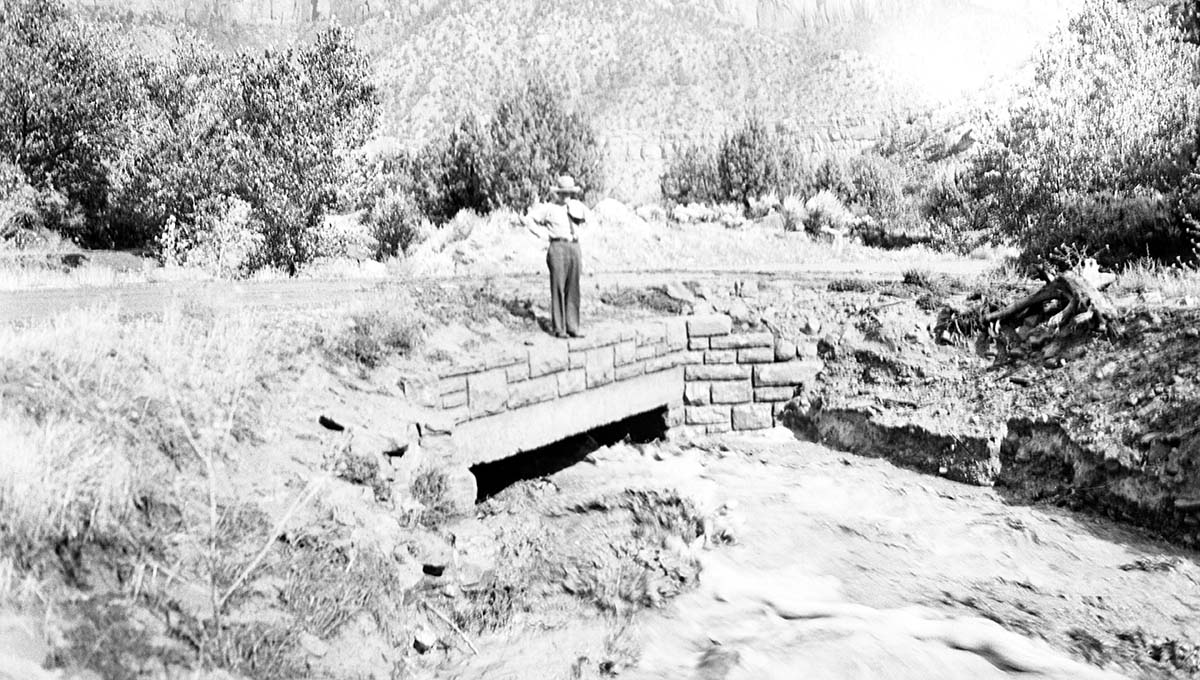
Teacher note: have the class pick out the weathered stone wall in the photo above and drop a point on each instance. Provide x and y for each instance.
(710, 378)
(738, 381)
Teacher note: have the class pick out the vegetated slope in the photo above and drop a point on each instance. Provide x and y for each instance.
(652, 73)
(655, 72)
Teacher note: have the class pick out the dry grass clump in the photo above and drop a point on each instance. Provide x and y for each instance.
(1148, 276)
(378, 329)
(99, 413)
(431, 488)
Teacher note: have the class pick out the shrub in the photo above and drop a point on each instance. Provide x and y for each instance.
(877, 185)
(379, 330)
(19, 213)
(467, 163)
(223, 240)
(825, 211)
(691, 176)
(396, 224)
(748, 164)
(1106, 129)
(794, 213)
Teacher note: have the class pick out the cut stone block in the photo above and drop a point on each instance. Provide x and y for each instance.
(744, 340)
(785, 350)
(649, 351)
(709, 324)
(790, 373)
(600, 366)
(487, 392)
(532, 391)
(716, 372)
(630, 370)
(455, 399)
(677, 335)
(663, 363)
(753, 417)
(550, 357)
(625, 352)
(756, 355)
(570, 382)
(773, 393)
(721, 356)
(449, 385)
(697, 393)
(706, 415)
(652, 333)
(733, 392)
(518, 372)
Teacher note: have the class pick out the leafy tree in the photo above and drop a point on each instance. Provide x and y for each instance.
(1097, 150)
(274, 130)
(64, 94)
(301, 112)
(533, 139)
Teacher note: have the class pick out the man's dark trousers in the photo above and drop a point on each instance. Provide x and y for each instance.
(565, 264)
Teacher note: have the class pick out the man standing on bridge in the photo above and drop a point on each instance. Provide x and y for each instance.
(558, 221)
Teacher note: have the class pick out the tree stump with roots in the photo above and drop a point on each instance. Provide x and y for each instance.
(1066, 309)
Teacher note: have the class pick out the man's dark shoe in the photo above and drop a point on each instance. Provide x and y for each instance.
(561, 336)
(577, 335)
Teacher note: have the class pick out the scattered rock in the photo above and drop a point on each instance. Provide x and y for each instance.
(739, 312)
(1106, 371)
(424, 640)
(678, 291)
(330, 424)
(785, 350)
(1187, 504)
(812, 326)
(432, 552)
(313, 644)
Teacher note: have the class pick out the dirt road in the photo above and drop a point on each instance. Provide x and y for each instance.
(152, 298)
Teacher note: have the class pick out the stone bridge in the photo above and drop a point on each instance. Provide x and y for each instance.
(700, 372)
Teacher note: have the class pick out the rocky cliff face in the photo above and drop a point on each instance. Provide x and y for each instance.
(793, 14)
(256, 12)
(655, 74)
(767, 14)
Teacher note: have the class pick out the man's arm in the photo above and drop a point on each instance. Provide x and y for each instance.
(533, 221)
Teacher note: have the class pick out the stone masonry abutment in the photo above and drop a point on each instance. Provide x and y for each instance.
(709, 377)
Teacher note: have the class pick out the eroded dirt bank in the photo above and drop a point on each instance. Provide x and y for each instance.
(310, 550)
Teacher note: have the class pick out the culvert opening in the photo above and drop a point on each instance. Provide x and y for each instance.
(492, 478)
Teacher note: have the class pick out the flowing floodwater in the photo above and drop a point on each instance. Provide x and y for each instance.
(847, 567)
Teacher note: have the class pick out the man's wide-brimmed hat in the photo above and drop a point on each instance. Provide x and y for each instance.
(565, 184)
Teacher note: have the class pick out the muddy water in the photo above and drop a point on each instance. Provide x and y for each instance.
(847, 567)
